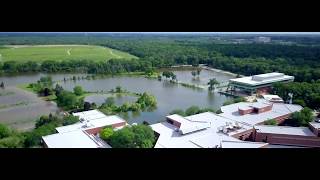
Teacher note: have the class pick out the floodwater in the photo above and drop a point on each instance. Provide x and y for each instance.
(20, 109)
(169, 96)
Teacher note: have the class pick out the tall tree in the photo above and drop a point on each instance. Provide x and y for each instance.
(212, 83)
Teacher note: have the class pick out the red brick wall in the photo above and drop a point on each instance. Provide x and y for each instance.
(118, 124)
(243, 112)
(246, 135)
(280, 119)
(98, 129)
(94, 130)
(264, 109)
(308, 141)
(264, 90)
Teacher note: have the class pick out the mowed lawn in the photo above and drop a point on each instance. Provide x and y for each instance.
(60, 52)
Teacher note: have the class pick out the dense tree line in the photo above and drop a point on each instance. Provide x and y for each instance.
(162, 51)
(108, 67)
(305, 94)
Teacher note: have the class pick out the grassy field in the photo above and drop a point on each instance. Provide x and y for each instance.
(60, 52)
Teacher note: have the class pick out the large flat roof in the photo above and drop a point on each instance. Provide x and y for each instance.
(287, 130)
(89, 115)
(278, 109)
(315, 125)
(262, 79)
(74, 139)
(169, 138)
(209, 137)
(94, 119)
(242, 144)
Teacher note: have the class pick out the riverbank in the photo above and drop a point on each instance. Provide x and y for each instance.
(220, 71)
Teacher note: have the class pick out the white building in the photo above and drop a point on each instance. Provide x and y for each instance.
(205, 130)
(84, 134)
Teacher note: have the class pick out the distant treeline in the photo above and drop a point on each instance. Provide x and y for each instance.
(302, 61)
(108, 67)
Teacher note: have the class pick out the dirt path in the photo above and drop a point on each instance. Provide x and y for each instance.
(111, 52)
(69, 51)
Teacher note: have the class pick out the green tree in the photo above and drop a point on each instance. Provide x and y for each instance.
(78, 90)
(139, 136)
(125, 107)
(147, 100)
(178, 111)
(67, 100)
(123, 138)
(4, 131)
(70, 119)
(58, 89)
(302, 118)
(198, 71)
(193, 73)
(109, 101)
(11, 142)
(212, 83)
(45, 120)
(192, 110)
(106, 133)
(118, 89)
(271, 122)
(135, 107)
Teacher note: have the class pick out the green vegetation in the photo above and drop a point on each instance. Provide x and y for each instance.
(45, 125)
(169, 75)
(192, 110)
(233, 101)
(301, 118)
(145, 101)
(106, 133)
(68, 100)
(77, 90)
(212, 83)
(305, 94)
(158, 52)
(61, 53)
(139, 136)
(271, 122)
(43, 86)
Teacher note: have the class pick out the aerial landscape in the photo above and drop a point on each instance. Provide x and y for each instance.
(159, 90)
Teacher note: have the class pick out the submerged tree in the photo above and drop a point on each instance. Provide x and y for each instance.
(212, 84)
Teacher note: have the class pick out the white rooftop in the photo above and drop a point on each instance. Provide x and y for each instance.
(89, 115)
(209, 137)
(93, 118)
(315, 125)
(262, 79)
(74, 139)
(287, 130)
(242, 144)
(278, 109)
(271, 97)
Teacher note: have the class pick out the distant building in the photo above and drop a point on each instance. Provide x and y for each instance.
(260, 84)
(83, 134)
(261, 39)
